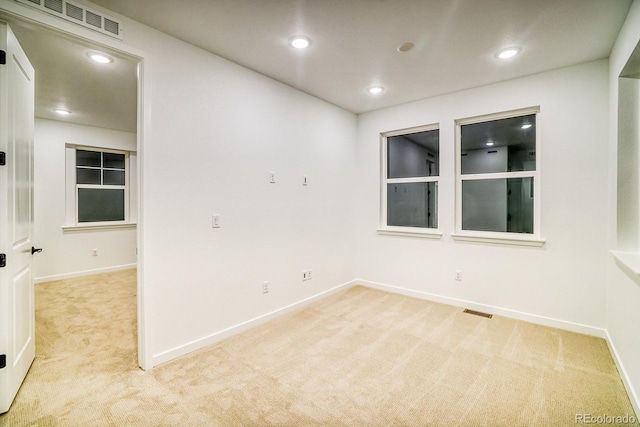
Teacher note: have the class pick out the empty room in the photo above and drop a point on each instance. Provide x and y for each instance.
(299, 212)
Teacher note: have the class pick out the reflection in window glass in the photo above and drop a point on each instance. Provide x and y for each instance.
(413, 154)
(505, 145)
(88, 158)
(113, 161)
(88, 176)
(100, 204)
(504, 205)
(412, 204)
(98, 168)
(113, 177)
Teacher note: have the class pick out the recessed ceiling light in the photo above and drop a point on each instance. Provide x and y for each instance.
(62, 111)
(405, 47)
(526, 126)
(490, 144)
(100, 57)
(300, 42)
(376, 89)
(509, 52)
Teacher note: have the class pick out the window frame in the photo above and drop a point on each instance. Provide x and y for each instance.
(499, 237)
(384, 229)
(72, 189)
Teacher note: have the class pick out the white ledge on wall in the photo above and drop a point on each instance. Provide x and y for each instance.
(630, 260)
(425, 233)
(500, 240)
(105, 227)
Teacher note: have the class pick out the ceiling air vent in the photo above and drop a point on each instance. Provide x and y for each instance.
(79, 14)
(94, 19)
(75, 12)
(111, 26)
(55, 5)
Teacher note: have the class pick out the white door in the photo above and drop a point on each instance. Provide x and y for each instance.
(17, 311)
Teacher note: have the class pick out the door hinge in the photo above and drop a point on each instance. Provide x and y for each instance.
(3, 361)
(3, 57)
(3, 158)
(3, 260)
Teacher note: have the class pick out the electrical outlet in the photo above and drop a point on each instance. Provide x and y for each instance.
(265, 287)
(272, 177)
(308, 274)
(94, 252)
(458, 275)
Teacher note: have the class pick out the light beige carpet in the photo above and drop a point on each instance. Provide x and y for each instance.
(359, 358)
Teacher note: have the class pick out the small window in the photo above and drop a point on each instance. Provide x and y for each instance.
(98, 183)
(100, 186)
(411, 169)
(498, 174)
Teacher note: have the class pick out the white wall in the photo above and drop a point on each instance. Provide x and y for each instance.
(560, 283)
(623, 287)
(68, 254)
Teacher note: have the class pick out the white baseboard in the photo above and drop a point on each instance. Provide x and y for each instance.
(83, 273)
(513, 314)
(182, 350)
(633, 395)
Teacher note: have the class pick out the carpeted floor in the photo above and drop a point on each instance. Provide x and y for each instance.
(359, 358)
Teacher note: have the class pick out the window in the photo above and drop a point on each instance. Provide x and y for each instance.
(498, 180)
(410, 174)
(98, 186)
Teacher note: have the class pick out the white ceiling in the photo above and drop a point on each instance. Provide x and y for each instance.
(101, 95)
(354, 42)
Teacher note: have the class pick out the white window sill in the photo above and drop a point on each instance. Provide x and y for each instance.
(516, 240)
(630, 260)
(425, 233)
(94, 227)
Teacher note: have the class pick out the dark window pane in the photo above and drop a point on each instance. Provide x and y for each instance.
(506, 145)
(504, 205)
(96, 205)
(88, 176)
(113, 177)
(113, 161)
(412, 204)
(485, 160)
(413, 154)
(88, 158)
(520, 205)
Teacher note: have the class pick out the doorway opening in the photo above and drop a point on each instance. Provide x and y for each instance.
(106, 112)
